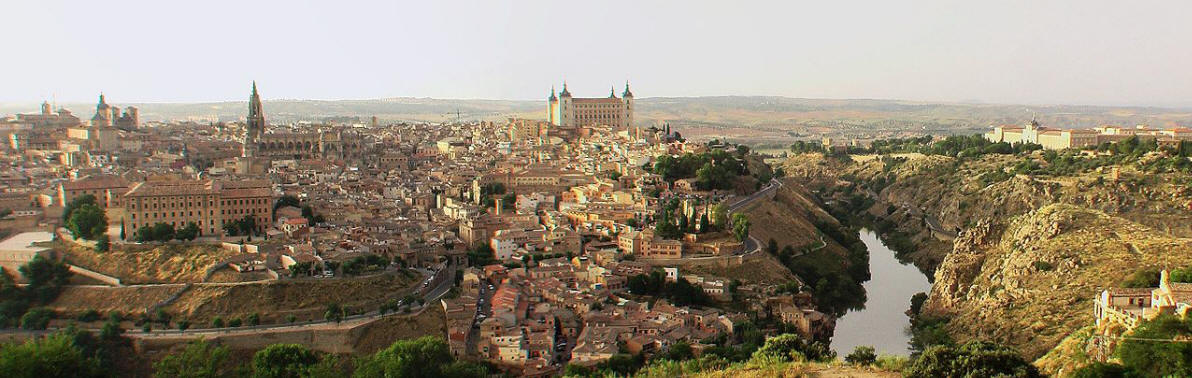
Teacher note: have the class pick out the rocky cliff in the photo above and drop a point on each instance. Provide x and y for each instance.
(1032, 282)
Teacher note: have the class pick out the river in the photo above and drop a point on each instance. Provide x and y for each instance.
(883, 323)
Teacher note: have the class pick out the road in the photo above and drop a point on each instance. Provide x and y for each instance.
(751, 244)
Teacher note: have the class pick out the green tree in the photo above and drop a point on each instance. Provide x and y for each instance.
(217, 322)
(80, 201)
(188, 232)
(792, 347)
(1158, 359)
(200, 359)
(38, 318)
(862, 355)
(334, 312)
(111, 330)
(973, 359)
(283, 361)
(425, 357)
(46, 278)
(103, 244)
(287, 200)
(87, 222)
(254, 319)
(740, 227)
(53, 356)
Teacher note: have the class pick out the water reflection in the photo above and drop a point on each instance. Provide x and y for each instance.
(882, 322)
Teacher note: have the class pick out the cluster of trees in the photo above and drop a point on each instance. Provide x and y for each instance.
(365, 263)
(490, 192)
(973, 359)
(481, 255)
(713, 170)
(740, 227)
(681, 292)
(1156, 348)
(835, 284)
(244, 226)
(84, 218)
(308, 212)
(164, 232)
(18, 305)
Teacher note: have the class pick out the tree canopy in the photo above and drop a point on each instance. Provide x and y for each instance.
(973, 359)
(200, 359)
(425, 357)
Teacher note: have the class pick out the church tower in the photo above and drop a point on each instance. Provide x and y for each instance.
(103, 113)
(256, 123)
(628, 101)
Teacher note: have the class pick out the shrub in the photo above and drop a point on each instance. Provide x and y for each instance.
(38, 318)
(1043, 266)
(89, 316)
(862, 355)
(973, 359)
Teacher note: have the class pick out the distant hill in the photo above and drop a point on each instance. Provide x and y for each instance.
(757, 117)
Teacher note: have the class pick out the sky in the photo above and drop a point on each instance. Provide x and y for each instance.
(1023, 52)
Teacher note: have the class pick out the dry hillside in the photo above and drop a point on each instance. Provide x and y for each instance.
(1032, 282)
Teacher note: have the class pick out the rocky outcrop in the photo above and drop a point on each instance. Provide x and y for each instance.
(1032, 283)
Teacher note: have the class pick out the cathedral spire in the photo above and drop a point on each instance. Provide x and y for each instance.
(627, 92)
(256, 122)
(612, 92)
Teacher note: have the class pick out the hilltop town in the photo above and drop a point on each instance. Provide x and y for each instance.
(539, 244)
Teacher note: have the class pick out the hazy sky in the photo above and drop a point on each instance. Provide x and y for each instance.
(1071, 52)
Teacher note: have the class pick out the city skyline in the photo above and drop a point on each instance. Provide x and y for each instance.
(1095, 53)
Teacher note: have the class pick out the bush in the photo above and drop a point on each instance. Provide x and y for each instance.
(104, 243)
(88, 316)
(38, 318)
(1043, 266)
(254, 319)
(87, 222)
(973, 359)
(1154, 359)
(792, 347)
(235, 322)
(427, 356)
(217, 322)
(54, 356)
(283, 361)
(199, 359)
(862, 355)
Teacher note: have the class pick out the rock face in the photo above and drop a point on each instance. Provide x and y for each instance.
(1031, 251)
(1032, 283)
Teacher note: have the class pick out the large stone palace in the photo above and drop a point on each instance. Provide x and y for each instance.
(564, 110)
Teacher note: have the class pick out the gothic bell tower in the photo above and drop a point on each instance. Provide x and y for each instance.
(256, 123)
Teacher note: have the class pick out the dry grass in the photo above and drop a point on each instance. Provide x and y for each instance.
(306, 299)
(136, 264)
(75, 300)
